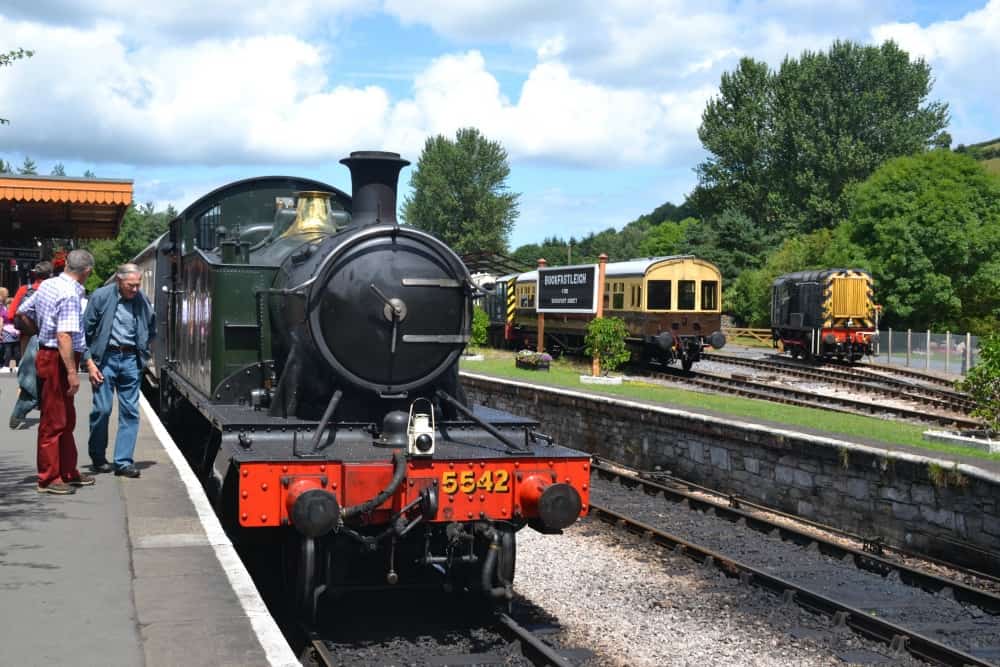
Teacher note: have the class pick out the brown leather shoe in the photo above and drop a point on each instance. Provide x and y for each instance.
(82, 480)
(57, 488)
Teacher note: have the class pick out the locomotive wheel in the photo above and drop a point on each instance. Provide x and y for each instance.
(301, 557)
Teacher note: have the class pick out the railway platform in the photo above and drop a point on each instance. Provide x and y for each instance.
(126, 572)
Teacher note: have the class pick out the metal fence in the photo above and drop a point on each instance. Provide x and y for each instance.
(944, 352)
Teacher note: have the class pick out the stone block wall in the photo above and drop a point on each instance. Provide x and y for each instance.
(930, 505)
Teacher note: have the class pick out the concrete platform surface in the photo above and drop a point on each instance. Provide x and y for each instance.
(126, 572)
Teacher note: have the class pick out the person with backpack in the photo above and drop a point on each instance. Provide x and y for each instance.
(27, 376)
(42, 271)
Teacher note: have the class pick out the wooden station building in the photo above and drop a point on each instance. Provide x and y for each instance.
(40, 214)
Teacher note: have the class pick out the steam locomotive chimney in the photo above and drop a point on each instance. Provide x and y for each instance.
(374, 175)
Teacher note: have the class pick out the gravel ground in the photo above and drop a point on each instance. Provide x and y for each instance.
(635, 604)
(938, 616)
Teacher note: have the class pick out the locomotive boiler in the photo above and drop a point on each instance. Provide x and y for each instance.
(308, 364)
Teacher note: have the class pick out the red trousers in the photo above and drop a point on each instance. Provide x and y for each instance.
(56, 446)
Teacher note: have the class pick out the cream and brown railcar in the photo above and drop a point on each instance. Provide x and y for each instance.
(672, 307)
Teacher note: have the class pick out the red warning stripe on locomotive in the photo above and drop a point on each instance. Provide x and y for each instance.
(467, 490)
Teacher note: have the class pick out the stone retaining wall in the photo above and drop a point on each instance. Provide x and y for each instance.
(927, 504)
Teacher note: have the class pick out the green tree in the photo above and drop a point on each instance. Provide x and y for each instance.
(729, 240)
(930, 225)
(8, 59)
(28, 167)
(786, 146)
(58, 169)
(460, 193)
(140, 226)
(606, 338)
(6, 168)
(89, 174)
(737, 128)
(667, 238)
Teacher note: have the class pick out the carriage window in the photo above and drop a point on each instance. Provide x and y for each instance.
(631, 296)
(618, 300)
(709, 294)
(658, 295)
(685, 295)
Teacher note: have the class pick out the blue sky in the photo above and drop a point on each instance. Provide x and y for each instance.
(597, 102)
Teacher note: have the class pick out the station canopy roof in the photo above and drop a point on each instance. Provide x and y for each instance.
(59, 207)
(492, 262)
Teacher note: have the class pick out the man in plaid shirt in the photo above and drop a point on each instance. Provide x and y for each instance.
(55, 311)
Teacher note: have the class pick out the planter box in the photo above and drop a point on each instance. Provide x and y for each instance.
(600, 379)
(540, 366)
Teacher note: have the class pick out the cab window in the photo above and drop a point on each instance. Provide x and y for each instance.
(685, 295)
(658, 295)
(709, 294)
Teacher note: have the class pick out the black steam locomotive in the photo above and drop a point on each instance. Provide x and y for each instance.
(308, 364)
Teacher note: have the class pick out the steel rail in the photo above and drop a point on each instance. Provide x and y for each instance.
(864, 624)
(867, 382)
(863, 559)
(533, 648)
(910, 373)
(806, 399)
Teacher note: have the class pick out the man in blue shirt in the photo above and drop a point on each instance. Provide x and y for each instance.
(119, 324)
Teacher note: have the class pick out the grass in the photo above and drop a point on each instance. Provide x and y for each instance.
(565, 373)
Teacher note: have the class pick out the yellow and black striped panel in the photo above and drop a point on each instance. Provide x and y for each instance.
(848, 295)
(511, 302)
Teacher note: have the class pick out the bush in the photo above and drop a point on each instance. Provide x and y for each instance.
(983, 383)
(480, 327)
(606, 338)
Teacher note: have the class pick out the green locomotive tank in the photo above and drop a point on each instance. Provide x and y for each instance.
(307, 361)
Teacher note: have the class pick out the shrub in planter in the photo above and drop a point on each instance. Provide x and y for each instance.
(606, 336)
(480, 327)
(982, 382)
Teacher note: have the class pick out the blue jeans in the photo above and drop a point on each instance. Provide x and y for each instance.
(24, 404)
(121, 373)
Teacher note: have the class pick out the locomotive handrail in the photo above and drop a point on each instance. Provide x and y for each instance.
(512, 447)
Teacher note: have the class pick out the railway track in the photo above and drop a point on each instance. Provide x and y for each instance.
(441, 637)
(858, 380)
(908, 373)
(867, 544)
(790, 396)
(935, 619)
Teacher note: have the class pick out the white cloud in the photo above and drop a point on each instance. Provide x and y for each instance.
(616, 82)
(184, 21)
(268, 98)
(962, 54)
